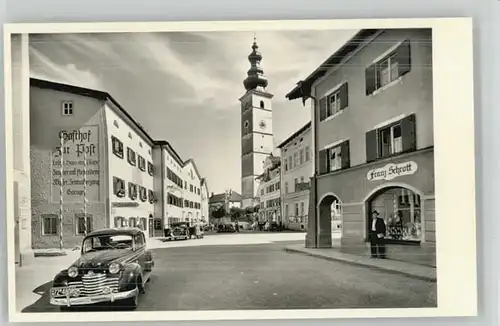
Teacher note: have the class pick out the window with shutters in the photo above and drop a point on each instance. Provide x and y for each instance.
(393, 139)
(118, 187)
(285, 162)
(301, 156)
(131, 156)
(290, 162)
(388, 69)
(142, 163)
(117, 146)
(83, 225)
(333, 103)
(286, 188)
(296, 159)
(308, 153)
(334, 158)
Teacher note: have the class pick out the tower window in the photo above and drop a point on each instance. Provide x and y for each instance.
(261, 104)
(246, 124)
(67, 108)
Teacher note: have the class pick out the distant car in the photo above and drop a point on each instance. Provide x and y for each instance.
(180, 231)
(114, 265)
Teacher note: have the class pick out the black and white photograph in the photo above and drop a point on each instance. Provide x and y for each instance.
(268, 170)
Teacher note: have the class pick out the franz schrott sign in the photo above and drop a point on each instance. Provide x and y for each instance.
(392, 171)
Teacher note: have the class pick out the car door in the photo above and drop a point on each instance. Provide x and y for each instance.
(140, 249)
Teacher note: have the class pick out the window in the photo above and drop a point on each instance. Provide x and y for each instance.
(262, 192)
(286, 187)
(118, 187)
(301, 156)
(67, 108)
(308, 153)
(388, 69)
(185, 185)
(142, 163)
(144, 223)
(151, 196)
(131, 156)
(290, 162)
(286, 210)
(49, 224)
(285, 163)
(334, 158)
(130, 135)
(117, 146)
(143, 193)
(392, 139)
(302, 209)
(132, 222)
(295, 183)
(334, 102)
(132, 191)
(119, 221)
(296, 158)
(262, 104)
(83, 226)
(191, 188)
(296, 209)
(151, 169)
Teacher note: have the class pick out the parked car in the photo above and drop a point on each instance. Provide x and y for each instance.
(114, 265)
(180, 231)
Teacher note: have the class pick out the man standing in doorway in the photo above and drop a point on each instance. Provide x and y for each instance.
(377, 236)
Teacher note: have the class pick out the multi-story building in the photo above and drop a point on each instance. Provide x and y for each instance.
(269, 190)
(256, 128)
(296, 173)
(192, 192)
(93, 166)
(372, 123)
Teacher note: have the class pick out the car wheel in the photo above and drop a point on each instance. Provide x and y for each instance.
(133, 302)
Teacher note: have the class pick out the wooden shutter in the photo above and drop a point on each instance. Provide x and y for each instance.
(408, 133)
(322, 108)
(403, 57)
(345, 155)
(344, 96)
(371, 146)
(370, 80)
(323, 167)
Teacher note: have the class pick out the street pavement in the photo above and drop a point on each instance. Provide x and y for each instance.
(264, 276)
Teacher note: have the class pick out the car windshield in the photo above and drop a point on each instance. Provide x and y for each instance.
(107, 242)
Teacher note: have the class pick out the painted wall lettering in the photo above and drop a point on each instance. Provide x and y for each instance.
(391, 171)
(80, 165)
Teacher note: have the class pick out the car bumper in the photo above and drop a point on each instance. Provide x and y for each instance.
(79, 301)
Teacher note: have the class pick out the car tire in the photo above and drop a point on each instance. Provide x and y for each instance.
(132, 303)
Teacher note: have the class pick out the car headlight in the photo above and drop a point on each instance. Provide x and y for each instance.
(114, 268)
(72, 271)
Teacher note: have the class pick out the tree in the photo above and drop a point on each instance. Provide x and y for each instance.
(219, 213)
(235, 213)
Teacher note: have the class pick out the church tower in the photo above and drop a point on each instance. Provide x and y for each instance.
(256, 128)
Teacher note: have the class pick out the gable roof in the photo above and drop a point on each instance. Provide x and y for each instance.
(216, 198)
(88, 92)
(194, 166)
(295, 134)
(303, 88)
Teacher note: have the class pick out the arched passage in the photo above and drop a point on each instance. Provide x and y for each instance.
(329, 216)
(401, 208)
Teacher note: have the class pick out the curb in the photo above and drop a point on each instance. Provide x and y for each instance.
(387, 270)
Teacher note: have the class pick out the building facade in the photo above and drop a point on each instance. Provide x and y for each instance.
(204, 201)
(93, 166)
(373, 138)
(296, 173)
(269, 190)
(256, 128)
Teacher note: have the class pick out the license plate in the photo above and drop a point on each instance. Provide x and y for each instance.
(61, 291)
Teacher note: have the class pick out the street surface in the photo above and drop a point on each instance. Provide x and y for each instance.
(263, 276)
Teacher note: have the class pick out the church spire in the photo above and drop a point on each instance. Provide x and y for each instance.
(255, 75)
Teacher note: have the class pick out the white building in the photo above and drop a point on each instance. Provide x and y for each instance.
(205, 205)
(269, 190)
(296, 172)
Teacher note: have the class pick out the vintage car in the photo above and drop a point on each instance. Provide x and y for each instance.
(180, 231)
(114, 265)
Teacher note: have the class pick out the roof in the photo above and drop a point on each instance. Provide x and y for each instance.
(216, 198)
(303, 88)
(170, 149)
(295, 134)
(194, 166)
(88, 92)
(115, 231)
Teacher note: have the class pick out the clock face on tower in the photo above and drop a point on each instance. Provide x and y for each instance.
(262, 124)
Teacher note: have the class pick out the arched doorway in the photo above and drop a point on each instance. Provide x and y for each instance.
(401, 209)
(329, 214)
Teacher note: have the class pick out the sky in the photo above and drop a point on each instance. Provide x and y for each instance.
(184, 87)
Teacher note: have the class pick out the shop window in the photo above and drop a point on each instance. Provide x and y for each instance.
(131, 156)
(142, 163)
(49, 224)
(84, 225)
(132, 191)
(392, 139)
(334, 102)
(334, 158)
(400, 208)
(151, 169)
(118, 221)
(117, 146)
(118, 187)
(388, 69)
(132, 222)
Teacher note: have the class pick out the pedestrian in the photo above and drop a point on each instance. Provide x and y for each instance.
(377, 236)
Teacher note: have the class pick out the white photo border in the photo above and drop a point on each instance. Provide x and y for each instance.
(453, 133)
